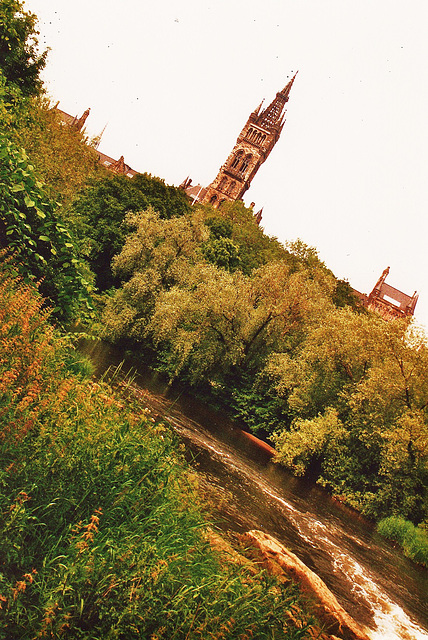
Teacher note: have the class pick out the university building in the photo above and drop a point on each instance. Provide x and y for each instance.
(252, 148)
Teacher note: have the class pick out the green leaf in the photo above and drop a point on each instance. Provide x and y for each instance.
(29, 202)
(44, 238)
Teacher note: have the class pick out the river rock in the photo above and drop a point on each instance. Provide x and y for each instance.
(279, 560)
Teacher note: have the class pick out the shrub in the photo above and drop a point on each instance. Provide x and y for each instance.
(30, 226)
(415, 546)
(414, 540)
(395, 528)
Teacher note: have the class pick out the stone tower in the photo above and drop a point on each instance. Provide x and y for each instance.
(253, 146)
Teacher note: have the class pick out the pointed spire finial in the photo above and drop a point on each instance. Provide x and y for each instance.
(257, 111)
(79, 122)
(287, 88)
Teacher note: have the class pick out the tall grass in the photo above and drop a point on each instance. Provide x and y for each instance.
(102, 534)
(413, 540)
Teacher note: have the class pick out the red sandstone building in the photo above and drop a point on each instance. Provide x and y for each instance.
(253, 146)
(116, 166)
(389, 302)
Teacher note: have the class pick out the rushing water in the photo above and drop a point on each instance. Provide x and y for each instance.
(374, 582)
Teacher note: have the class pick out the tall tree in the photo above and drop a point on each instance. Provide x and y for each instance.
(20, 60)
(99, 213)
(358, 389)
(156, 255)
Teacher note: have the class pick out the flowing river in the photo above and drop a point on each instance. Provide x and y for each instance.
(374, 582)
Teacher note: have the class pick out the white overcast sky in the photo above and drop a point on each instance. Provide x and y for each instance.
(175, 81)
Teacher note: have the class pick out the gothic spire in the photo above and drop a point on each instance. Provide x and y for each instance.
(272, 115)
(255, 142)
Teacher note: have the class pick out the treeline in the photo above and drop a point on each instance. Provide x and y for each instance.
(342, 393)
(204, 295)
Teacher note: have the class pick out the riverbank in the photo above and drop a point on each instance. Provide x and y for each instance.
(102, 530)
(246, 491)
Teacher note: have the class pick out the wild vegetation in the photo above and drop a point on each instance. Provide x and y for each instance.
(342, 393)
(101, 533)
(413, 540)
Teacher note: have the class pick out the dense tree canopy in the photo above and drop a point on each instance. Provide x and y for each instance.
(31, 228)
(62, 156)
(343, 394)
(358, 390)
(99, 213)
(20, 59)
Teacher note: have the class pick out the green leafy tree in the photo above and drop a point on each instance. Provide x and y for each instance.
(167, 200)
(20, 60)
(255, 247)
(200, 322)
(61, 155)
(30, 227)
(157, 255)
(334, 354)
(220, 249)
(215, 323)
(99, 214)
(373, 376)
(222, 252)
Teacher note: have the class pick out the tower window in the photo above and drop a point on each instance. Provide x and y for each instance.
(237, 159)
(231, 188)
(251, 134)
(213, 200)
(222, 184)
(246, 161)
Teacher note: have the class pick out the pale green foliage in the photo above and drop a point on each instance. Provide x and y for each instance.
(308, 440)
(204, 321)
(398, 380)
(374, 374)
(215, 321)
(335, 353)
(60, 154)
(304, 252)
(166, 246)
(407, 439)
(157, 255)
(285, 302)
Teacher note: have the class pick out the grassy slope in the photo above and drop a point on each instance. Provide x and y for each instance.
(102, 534)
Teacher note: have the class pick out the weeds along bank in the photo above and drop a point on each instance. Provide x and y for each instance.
(101, 530)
